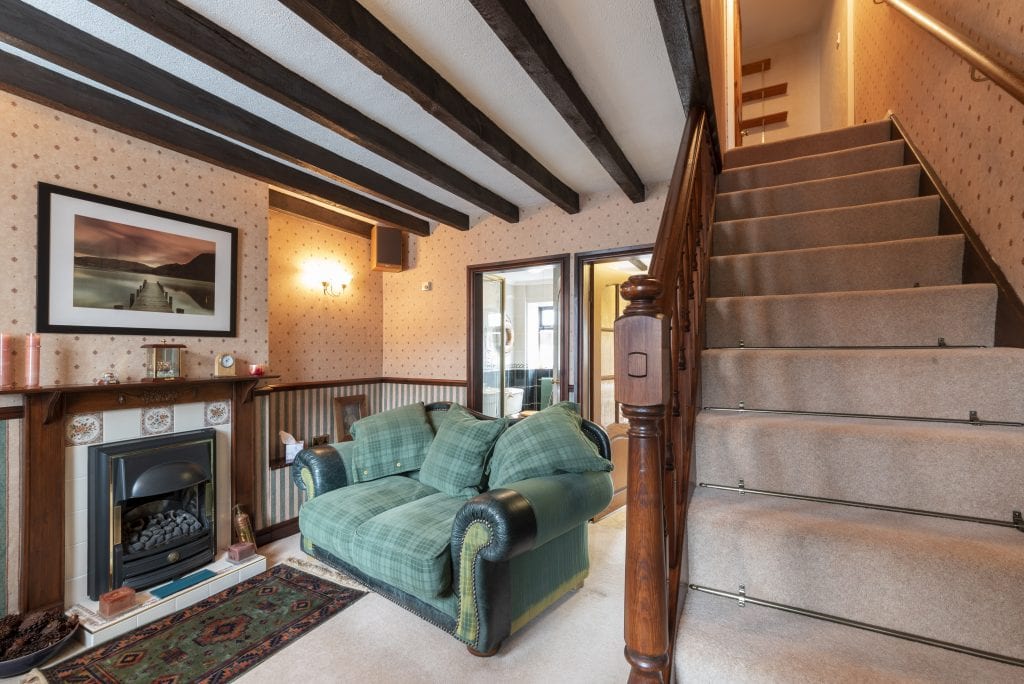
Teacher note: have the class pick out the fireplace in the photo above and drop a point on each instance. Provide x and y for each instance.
(152, 509)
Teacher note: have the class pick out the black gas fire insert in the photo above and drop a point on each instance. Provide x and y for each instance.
(152, 509)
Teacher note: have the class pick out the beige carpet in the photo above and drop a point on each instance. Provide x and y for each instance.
(812, 254)
(577, 640)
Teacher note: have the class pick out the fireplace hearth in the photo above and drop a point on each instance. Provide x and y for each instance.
(152, 509)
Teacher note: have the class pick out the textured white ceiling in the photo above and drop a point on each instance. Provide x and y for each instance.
(614, 48)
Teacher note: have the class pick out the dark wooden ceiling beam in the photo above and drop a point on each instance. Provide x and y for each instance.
(54, 90)
(683, 31)
(360, 34)
(48, 37)
(204, 40)
(296, 206)
(517, 27)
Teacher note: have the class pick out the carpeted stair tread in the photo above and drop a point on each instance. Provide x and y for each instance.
(815, 143)
(891, 265)
(843, 191)
(826, 165)
(928, 383)
(720, 642)
(941, 467)
(905, 572)
(875, 222)
(917, 316)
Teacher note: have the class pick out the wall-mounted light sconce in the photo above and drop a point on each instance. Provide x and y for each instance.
(336, 286)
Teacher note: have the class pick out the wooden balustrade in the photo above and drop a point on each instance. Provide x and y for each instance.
(658, 340)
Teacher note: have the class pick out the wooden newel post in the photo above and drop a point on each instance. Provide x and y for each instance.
(642, 387)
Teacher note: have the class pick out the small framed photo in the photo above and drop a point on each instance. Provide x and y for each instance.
(348, 410)
(113, 267)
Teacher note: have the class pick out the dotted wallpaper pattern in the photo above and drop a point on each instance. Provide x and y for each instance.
(972, 133)
(425, 332)
(42, 144)
(314, 336)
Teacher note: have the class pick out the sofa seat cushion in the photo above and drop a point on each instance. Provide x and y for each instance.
(409, 546)
(331, 520)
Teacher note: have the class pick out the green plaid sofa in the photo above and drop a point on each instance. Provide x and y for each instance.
(480, 568)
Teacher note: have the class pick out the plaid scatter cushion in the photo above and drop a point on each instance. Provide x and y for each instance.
(546, 443)
(391, 442)
(455, 460)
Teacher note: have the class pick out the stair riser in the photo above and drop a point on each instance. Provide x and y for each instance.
(721, 642)
(898, 220)
(962, 470)
(962, 315)
(856, 160)
(869, 134)
(942, 383)
(874, 186)
(925, 584)
(876, 266)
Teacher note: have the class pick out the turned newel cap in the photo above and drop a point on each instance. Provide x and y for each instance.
(641, 287)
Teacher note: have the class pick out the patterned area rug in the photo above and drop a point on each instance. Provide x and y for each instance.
(218, 638)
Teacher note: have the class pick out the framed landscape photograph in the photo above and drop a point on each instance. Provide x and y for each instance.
(107, 266)
(348, 410)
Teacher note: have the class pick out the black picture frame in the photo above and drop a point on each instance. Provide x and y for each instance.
(112, 267)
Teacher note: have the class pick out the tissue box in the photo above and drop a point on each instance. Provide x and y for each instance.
(290, 450)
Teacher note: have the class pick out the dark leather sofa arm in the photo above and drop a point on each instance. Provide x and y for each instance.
(319, 469)
(527, 514)
(502, 523)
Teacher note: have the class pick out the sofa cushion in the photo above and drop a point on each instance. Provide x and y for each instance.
(546, 443)
(391, 442)
(455, 460)
(330, 520)
(409, 546)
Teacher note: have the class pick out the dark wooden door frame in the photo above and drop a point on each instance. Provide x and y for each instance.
(582, 259)
(474, 333)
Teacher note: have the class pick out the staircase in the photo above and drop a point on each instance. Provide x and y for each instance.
(847, 361)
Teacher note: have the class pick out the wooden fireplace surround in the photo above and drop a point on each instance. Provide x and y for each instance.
(45, 410)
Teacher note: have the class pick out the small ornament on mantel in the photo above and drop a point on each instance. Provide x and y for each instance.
(32, 360)
(163, 361)
(6, 367)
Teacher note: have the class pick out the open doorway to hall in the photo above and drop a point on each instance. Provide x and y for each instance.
(599, 279)
(518, 353)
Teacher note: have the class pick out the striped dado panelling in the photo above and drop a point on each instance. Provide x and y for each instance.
(10, 450)
(307, 412)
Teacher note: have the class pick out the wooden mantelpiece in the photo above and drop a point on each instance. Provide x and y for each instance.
(42, 553)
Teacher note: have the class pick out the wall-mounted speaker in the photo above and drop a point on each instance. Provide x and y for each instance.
(387, 249)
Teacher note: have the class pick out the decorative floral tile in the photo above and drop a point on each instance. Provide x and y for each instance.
(83, 428)
(217, 413)
(157, 420)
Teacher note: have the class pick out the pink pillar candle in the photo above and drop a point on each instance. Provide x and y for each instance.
(6, 371)
(32, 360)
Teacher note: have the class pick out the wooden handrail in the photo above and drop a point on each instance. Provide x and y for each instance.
(658, 340)
(999, 73)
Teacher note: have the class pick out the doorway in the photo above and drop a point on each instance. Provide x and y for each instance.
(599, 276)
(518, 349)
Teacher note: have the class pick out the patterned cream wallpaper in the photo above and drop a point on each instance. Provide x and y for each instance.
(425, 332)
(314, 336)
(42, 144)
(970, 132)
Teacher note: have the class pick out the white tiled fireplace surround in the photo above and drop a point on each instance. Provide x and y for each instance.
(85, 430)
